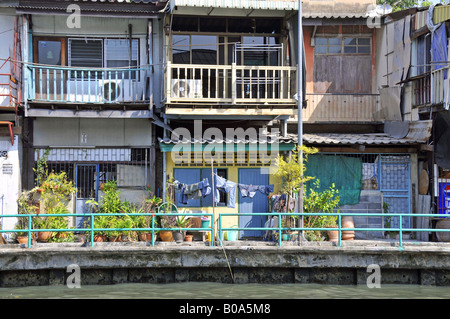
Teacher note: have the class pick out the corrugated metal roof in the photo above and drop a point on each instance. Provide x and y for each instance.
(239, 4)
(117, 6)
(246, 140)
(418, 133)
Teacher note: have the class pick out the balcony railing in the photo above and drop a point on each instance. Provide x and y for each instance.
(340, 107)
(230, 84)
(87, 85)
(440, 87)
(9, 87)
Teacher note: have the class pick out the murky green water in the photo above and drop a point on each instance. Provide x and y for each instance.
(194, 290)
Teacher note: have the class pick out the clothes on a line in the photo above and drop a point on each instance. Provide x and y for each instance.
(250, 190)
(203, 188)
(192, 191)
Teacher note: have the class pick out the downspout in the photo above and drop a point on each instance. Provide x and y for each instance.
(165, 163)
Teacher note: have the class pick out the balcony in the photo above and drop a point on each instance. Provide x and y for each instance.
(241, 89)
(67, 86)
(431, 89)
(340, 107)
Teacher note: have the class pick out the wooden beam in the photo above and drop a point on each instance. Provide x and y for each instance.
(229, 111)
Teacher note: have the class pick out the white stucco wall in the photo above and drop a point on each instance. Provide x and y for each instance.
(9, 180)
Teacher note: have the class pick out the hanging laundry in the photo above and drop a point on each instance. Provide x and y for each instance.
(250, 190)
(192, 191)
(225, 186)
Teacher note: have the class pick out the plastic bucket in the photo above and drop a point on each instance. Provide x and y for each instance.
(205, 223)
(232, 234)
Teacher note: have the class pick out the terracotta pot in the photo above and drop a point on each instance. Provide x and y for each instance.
(44, 236)
(22, 239)
(166, 235)
(189, 237)
(99, 238)
(145, 236)
(115, 238)
(443, 236)
(347, 222)
(333, 235)
(62, 235)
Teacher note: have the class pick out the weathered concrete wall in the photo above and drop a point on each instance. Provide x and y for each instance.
(110, 263)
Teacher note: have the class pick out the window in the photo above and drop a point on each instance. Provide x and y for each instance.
(86, 53)
(195, 175)
(103, 53)
(357, 45)
(343, 64)
(194, 49)
(345, 45)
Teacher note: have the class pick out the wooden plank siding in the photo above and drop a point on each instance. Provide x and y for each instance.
(340, 107)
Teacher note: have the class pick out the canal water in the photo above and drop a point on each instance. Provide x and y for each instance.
(206, 290)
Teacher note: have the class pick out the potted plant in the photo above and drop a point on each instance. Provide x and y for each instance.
(329, 221)
(26, 205)
(180, 222)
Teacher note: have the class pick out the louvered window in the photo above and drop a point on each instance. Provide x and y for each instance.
(86, 53)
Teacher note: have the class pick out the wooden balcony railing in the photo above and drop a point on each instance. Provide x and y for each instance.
(432, 88)
(83, 85)
(340, 107)
(230, 84)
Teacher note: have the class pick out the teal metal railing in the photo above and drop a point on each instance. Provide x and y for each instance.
(87, 85)
(278, 228)
(92, 229)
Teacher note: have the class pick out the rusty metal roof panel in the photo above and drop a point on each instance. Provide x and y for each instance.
(94, 6)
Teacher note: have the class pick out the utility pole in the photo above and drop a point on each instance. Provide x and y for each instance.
(299, 117)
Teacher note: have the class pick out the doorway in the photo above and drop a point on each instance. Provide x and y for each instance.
(257, 204)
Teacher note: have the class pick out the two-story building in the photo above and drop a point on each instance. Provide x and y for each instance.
(91, 84)
(353, 114)
(10, 121)
(230, 85)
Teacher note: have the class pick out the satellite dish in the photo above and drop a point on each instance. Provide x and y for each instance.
(383, 9)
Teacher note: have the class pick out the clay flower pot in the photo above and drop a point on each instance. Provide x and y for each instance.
(44, 236)
(166, 235)
(189, 237)
(333, 235)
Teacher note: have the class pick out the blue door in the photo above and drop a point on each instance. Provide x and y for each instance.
(257, 204)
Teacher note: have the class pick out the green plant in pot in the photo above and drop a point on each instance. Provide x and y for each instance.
(180, 222)
(26, 205)
(320, 202)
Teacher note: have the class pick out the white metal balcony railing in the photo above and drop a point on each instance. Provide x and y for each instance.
(84, 85)
(230, 84)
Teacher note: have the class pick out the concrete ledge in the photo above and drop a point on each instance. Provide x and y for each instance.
(323, 262)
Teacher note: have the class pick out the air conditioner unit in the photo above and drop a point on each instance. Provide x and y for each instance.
(116, 90)
(186, 88)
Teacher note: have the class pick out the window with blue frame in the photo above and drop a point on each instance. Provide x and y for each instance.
(194, 175)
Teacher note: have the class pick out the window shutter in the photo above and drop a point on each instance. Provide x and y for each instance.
(86, 53)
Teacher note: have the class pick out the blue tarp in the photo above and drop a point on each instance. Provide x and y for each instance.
(439, 47)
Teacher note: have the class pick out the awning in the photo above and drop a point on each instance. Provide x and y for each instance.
(418, 133)
(287, 143)
(10, 128)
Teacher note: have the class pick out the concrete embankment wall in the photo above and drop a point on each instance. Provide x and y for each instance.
(325, 263)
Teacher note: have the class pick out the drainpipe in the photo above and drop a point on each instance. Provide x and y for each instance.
(164, 162)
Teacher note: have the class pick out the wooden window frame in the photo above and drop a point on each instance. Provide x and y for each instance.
(63, 41)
